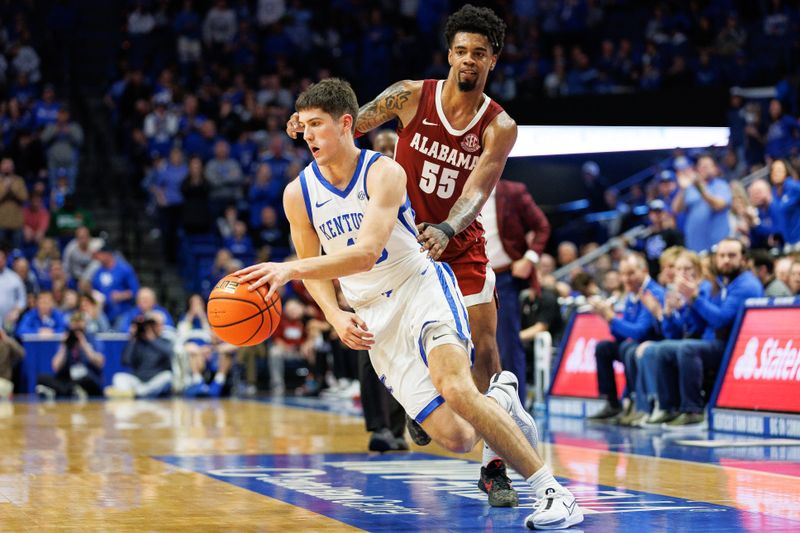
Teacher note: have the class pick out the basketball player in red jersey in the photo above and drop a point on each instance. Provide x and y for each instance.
(453, 144)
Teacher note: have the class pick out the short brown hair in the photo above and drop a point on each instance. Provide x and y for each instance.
(333, 96)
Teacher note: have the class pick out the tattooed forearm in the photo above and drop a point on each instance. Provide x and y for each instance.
(465, 210)
(383, 108)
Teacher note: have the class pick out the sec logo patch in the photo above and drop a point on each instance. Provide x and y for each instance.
(470, 143)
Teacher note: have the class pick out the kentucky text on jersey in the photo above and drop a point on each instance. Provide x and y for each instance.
(336, 226)
(442, 152)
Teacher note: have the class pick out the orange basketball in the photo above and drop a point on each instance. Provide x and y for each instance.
(242, 317)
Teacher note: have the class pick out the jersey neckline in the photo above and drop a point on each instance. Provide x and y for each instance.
(440, 111)
(335, 190)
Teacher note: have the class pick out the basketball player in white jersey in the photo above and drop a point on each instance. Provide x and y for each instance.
(409, 313)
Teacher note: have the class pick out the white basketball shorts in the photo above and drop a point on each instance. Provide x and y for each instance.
(426, 311)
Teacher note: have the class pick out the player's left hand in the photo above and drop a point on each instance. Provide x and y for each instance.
(433, 240)
(274, 275)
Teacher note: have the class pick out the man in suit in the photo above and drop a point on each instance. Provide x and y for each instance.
(516, 234)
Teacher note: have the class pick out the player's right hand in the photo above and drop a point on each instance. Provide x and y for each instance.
(352, 331)
(293, 126)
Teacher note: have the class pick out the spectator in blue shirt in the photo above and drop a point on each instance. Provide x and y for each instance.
(706, 199)
(166, 188)
(45, 111)
(765, 232)
(695, 362)
(786, 196)
(264, 192)
(782, 132)
(240, 244)
(636, 325)
(117, 281)
(146, 304)
(44, 319)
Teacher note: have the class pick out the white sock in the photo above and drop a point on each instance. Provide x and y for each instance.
(219, 377)
(488, 455)
(502, 399)
(543, 479)
(196, 379)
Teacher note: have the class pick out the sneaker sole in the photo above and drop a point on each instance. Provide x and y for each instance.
(506, 498)
(572, 520)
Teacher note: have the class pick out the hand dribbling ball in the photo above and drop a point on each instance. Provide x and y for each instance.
(242, 317)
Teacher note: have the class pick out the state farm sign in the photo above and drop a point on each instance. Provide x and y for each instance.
(764, 369)
(577, 373)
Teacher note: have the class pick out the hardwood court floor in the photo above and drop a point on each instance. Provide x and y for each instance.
(291, 466)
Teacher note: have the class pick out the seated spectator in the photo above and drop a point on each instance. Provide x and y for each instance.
(288, 342)
(13, 195)
(96, 319)
(706, 199)
(677, 321)
(59, 190)
(666, 263)
(56, 277)
(612, 288)
(695, 362)
(636, 325)
(794, 278)
(146, 304)
(116, 281)
(764, 267)
(540, 312)
(36, 220)
(160, 125)
(567, 253)
(11, 353)
(210, 366)
(149, 357)
(239, 242)
(77, 365)
(44, 319)
(782, 132)
(79, 253)
(45, 110)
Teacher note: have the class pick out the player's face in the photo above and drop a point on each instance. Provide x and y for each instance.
(471, 58)
(323, 134)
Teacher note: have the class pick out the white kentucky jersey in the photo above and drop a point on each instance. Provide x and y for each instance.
(337, 215)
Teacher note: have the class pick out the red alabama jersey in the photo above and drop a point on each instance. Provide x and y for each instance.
(438, 159)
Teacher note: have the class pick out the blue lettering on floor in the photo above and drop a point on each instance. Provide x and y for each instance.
(423, 492)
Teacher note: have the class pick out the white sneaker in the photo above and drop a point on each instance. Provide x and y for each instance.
(46, 393)
(555, 509)
(507, 382)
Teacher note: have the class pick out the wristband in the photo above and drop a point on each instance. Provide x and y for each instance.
(444, 227)
(531, 256)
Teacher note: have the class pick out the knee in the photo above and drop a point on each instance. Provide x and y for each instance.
(458, 393)
(461, 439)
(604, 350)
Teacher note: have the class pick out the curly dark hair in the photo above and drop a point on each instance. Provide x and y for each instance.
(482, 20)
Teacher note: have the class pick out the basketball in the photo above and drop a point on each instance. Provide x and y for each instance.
(242, 317)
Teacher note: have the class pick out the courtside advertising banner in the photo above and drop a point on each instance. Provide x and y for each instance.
(576, 375)
(764, 369)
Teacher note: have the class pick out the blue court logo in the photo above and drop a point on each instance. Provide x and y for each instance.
(426, 492)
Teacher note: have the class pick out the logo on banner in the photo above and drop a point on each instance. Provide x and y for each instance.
(775, 362)
(577, 374)
(764, 371)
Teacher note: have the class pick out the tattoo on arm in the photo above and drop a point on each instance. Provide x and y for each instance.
(465, 211)
(383, 108)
